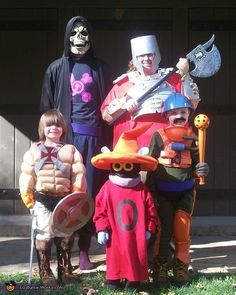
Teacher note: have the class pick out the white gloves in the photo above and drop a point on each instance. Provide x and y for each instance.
(183, 66)
(131, 105)
(103, 237)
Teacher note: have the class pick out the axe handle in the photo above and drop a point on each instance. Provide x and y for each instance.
(143, 97)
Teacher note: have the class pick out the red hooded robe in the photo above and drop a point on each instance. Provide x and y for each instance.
(127, 213)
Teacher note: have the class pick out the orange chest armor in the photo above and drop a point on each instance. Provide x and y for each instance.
(176, 152)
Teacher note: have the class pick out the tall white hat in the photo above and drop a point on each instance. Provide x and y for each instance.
(145, 45)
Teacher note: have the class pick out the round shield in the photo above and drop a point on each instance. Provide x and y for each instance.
(72, 212)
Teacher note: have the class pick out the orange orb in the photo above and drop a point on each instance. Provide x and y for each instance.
(201, 121)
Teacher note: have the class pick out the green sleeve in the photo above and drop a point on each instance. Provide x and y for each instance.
(155, 147)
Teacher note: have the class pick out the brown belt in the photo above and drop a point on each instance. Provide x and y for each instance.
(54, 194)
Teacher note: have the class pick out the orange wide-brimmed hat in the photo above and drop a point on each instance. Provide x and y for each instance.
(126, 151)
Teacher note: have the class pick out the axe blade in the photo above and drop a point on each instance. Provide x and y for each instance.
(207, 63)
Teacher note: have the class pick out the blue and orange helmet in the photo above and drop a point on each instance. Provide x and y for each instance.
(176, 101)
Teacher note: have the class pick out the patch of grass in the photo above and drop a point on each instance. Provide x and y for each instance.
(203, 284)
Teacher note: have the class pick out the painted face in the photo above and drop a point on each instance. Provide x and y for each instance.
(126, 170)
(53, 133)
(79, 40)
(146, 60)
(178, 117)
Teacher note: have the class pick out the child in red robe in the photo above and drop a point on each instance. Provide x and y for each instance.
(125, 215)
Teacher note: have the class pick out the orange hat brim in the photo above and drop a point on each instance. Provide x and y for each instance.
(104, 160)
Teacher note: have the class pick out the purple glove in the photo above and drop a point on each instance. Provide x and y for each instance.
(148, 235)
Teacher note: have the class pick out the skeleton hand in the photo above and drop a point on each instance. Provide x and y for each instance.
(183, 66)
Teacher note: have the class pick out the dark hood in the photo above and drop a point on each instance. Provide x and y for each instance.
(69, 27)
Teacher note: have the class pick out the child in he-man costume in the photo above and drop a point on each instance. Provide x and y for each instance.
(50, 171)
(173, 185)
(125, 216)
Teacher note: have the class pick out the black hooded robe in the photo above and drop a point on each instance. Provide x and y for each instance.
(56, 93)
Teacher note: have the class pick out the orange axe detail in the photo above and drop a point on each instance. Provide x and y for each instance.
(201, 122)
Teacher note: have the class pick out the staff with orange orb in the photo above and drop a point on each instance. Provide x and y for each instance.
(201, 122)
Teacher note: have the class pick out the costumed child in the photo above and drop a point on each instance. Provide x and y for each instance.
(125, 216)
(173, 184)
(50, 171)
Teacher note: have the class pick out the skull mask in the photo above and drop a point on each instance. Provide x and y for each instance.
(79, 40)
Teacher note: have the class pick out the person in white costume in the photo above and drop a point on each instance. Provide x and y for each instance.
(129, 87)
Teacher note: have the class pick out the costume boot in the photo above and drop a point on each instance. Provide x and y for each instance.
(160, 272)
(182, 221)
(64, 268)
(43, 250)
(84, 245)
(132, 287)
(113, 285)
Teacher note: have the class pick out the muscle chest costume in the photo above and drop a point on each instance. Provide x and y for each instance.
(132, 84)
(51, 171)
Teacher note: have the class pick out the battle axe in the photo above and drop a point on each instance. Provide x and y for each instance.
(207, 63)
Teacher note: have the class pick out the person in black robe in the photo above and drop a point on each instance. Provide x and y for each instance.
(77, 84)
